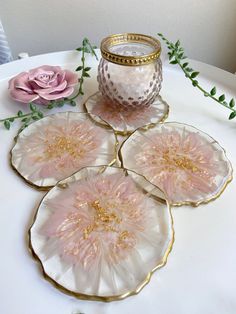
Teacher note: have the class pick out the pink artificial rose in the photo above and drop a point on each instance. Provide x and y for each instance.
(42, 84)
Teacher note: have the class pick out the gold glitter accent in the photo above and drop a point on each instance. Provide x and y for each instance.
(62, 144)
(180, 162)
(124, 235)
(103, 220)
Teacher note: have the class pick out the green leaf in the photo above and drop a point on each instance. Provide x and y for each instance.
(79, 49)
(174, 62)
(177, 43)
(171, 55)
(85, 41)
(189, 69)
(73, 103)
(11, 119)
(160, 34)
(35, 118)
(87, 69)
(222, 98)
(194, 74)
(87, 49)
(232, 103)
(185, 64)
(19, 113)
(7, 124)
(213, 91)
(33, 107)
(195, 83)
(26, 120)
(60, 103)
(181, 55)
(232, 115)
(85, 74)
(40, 114)
(50, 106)
(79, 68)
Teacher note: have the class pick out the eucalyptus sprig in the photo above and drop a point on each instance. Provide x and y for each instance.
(176, 56)
(35, 113)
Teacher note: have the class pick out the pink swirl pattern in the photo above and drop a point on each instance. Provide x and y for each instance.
(102, 234)
(98, 218)
(119, 116)
(187, 165)
(58, 147)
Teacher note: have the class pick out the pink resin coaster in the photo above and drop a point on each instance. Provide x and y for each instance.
(56, 146)
(100, 234)
(125, 121)
(187, 164)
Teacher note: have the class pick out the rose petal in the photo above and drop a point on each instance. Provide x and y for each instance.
(42, 69)
(65, 93)
(50, 90)
(23, 96)
(41, 101)
(71, 78)
(20, 81)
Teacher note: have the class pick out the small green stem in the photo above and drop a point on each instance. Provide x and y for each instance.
(17, 117)
(93, 52)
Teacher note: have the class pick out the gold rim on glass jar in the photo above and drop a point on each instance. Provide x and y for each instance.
(151, 43)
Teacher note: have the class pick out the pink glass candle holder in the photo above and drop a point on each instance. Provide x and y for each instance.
(130, 71)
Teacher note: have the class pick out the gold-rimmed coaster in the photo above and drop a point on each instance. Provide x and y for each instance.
(100, 234)
(186, 163)
(124, 121)
(58, 145)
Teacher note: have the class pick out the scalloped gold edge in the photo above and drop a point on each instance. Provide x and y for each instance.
(126, 133)
(82, 296)
(189, 203)
(115, 39)
(48, 187)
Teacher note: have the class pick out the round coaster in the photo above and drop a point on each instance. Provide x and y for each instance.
(125, 122)
(56, 146)
(187, 164)
(100, 234)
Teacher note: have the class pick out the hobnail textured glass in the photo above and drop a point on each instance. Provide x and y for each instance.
(130, 71)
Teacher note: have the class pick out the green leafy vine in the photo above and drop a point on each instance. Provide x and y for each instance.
(176, 56)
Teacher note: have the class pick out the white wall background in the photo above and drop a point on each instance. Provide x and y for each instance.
(206, 27)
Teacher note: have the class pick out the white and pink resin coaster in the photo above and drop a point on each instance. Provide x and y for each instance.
(58, 145)
(100, 234)
(125, 121)
(187, 164)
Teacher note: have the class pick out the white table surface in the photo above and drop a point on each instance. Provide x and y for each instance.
(200, 275)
